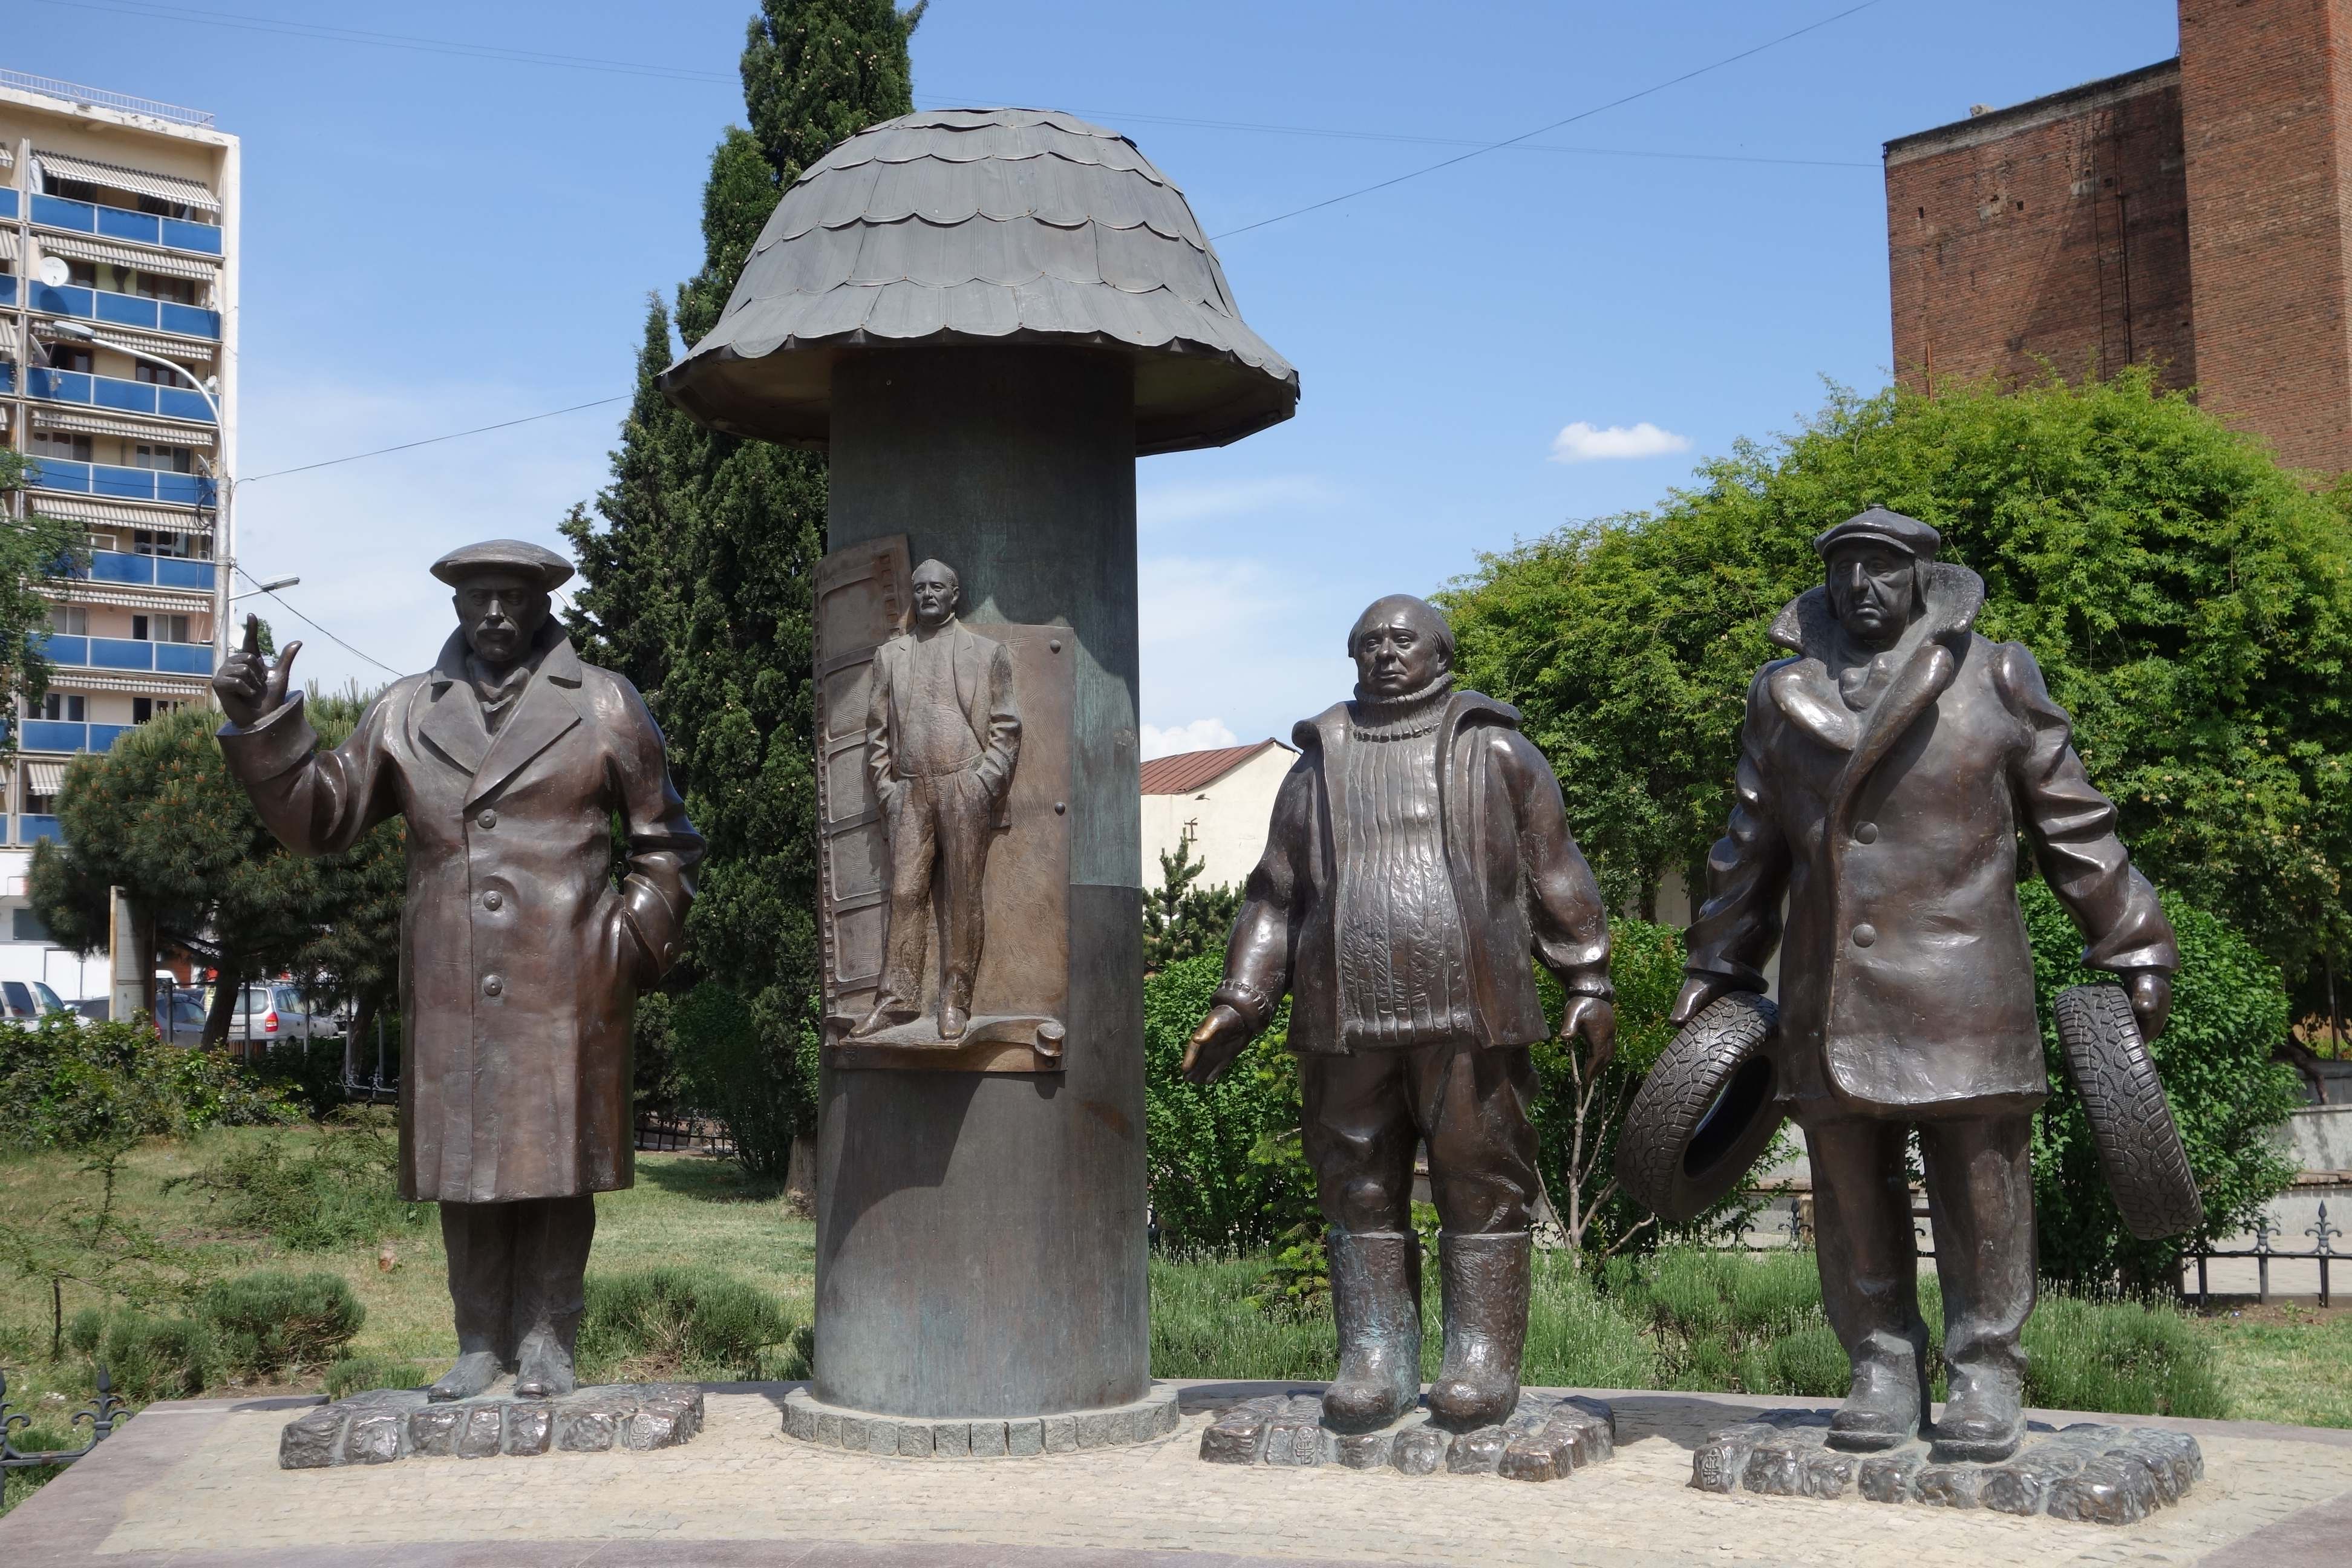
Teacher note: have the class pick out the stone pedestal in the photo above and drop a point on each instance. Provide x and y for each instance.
(388, 1425)
(2090, 1473)
(1545, 1439)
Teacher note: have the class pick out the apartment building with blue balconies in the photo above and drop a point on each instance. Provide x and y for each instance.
(118, 381)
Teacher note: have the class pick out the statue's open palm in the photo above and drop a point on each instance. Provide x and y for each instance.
(249, 686)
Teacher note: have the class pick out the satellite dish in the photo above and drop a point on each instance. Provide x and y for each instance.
(54, 271)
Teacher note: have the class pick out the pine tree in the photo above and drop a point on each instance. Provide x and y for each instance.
(697, 561)
(1181, 921)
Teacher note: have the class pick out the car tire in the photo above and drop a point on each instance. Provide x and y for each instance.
(1706, 1112)
(2139, 1148)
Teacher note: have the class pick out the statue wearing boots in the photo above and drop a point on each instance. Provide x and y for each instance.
(1418, 858)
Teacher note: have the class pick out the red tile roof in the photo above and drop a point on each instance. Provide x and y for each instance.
(1188, 771)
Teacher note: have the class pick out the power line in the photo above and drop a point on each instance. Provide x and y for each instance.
(432, 440)
(1540, 130)
(315, 625)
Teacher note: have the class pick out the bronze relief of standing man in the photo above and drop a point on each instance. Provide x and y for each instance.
(520, 961)
(1418, 863)
(1884, 772)
(942, 737)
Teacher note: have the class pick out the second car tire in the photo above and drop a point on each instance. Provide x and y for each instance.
(1706, 1112)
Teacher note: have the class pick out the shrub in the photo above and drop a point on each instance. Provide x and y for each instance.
(358, 1373)
(680, 1322)
(1225, 1169)
(336, 1191)
(152, 1358)
(732, 1063)
(2127, 1357)
(273, 1321)
(65, 1085)
(2228, 1009)
(308, 1073)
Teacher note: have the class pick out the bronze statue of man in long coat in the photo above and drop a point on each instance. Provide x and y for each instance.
(1418, 864)
(520, 960)
(1884, 770)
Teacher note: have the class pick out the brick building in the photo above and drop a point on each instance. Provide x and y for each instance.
(2194, 215)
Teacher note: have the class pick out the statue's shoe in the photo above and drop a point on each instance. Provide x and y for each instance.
(472, 1374)
(884, 1017)
(954, 1021)
(1981, 1422)
(1881, 1411)
(543, 1368)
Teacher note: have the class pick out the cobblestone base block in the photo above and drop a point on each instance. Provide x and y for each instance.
(1543, 1440)
(2089, 1473)
(387, 1424)
(927, 1438)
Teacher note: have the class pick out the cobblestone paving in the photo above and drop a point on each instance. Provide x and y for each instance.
(744, 1479)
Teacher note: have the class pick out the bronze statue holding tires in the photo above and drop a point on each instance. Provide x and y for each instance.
(1885, 767)
(1418, 857)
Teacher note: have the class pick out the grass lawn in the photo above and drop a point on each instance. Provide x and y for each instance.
(2287, 1361)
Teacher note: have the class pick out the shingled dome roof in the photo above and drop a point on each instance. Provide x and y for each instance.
(984, 225)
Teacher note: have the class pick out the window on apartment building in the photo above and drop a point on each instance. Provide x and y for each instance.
(36, 804)
(24, 925)
(162, 376)
(162, 208)
(71, 190)
(145, 708)
(180, 546)
(63, 356)
(170, 460)
(84, 274)
(69, 620)
(65, 707)
(63, 445)
(160, 629)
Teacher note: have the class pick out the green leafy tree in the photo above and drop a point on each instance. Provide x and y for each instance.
(2188, 600)
(2228, 1009)
(697, 561)
(1182, 920)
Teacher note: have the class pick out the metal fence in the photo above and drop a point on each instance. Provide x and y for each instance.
(74, 92)
(681, 1132)
(103, 1415)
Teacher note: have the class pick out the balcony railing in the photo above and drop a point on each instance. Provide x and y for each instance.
(7, 376)
(7, 201)
(113, 391)
(55, 735)
(118, 310)
(147, 570)
(32, 830)
(125, 653)
(118, 223)
(121, 484)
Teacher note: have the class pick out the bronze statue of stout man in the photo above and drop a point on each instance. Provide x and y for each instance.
(1884, 770)
(521, 961)
(1418, 858)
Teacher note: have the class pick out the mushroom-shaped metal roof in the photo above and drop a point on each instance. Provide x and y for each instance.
(984, 225)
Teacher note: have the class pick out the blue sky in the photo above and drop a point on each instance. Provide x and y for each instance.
(435, 241)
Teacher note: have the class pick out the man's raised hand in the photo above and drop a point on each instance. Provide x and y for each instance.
(250, 687)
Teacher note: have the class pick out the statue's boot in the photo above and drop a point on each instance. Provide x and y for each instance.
(954, 1021)
(1882, 1408)
(474, 1372)
(543, 1368)
(1376, 1300)
(552, 1238)
(887, 1014)
(1486, 1281)
(1982, 1421)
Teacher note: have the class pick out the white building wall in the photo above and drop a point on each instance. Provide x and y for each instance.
(1227, 821)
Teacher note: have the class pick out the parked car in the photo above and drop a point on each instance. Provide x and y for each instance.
(269, 1013)
(28, 1001)
(180, 1016)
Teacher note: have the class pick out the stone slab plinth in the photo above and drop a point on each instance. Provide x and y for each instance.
(387, 1425)
(1545, 1439)
(2089, 1472)
(932, 1437)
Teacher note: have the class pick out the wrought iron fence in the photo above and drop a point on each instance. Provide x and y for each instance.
(103, 1415)
(682, 1130)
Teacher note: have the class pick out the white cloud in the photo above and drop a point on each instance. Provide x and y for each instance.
(1163, 505)
(1200, 736)
(1585, 443)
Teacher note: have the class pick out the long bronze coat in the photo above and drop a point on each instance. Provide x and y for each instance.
(1906, 980)
(1522, 886)
(520, 963)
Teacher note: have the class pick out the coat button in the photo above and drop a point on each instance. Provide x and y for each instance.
(1865, 833)
(488, 819)
(493, 899)
(493, 986)
(1863, 935)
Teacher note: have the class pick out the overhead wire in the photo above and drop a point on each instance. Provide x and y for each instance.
(433, 440)
(314, 625)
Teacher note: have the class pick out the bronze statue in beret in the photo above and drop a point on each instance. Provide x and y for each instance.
(509, 761)
(1418, 864)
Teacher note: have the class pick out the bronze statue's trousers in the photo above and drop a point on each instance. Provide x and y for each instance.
(943, 824)
(1365, 1111)
(517, 1267)
(1980, 1198)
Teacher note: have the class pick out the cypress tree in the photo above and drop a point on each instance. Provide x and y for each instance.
(697, 562)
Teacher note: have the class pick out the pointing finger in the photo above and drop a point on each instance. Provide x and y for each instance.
(252, 633)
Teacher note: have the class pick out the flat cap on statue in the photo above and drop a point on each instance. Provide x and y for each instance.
(1881, 526)
(518, 557)
(984, 225)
